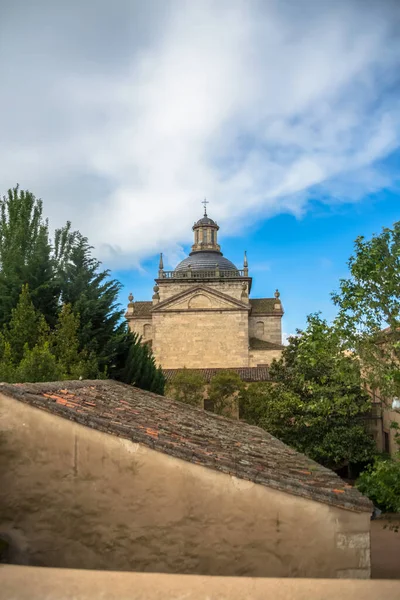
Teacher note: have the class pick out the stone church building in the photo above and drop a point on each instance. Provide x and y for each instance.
(202, 316)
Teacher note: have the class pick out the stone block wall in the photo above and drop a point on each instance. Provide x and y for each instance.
(263, 357)
(142, 326)
(271, 330)
(230, 288)
(201, 339)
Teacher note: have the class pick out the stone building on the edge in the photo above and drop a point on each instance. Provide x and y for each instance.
(202, 317)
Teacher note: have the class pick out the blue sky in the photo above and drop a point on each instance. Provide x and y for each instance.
(303, 256)
(122, 116)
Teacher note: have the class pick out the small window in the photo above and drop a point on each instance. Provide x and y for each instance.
(212, 236)
(259, 329)
(386, 442)
(205, 236)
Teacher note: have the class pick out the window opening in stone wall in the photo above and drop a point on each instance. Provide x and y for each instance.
(205, 236)
(386, 442)
(259, 328)
(147, 332)
(212, 236)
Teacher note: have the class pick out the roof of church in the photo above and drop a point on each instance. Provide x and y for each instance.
(263, 305)
(250, 374)
(205, 221)
(142, 309)
(203, 260)
(190, 434)
(256, 344)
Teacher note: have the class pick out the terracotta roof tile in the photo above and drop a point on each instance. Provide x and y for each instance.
(191, 434)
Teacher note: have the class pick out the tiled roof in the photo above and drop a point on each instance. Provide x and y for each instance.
(263, 305)
(256, 344)
(142, 308)
(190, 434)
(245, 373)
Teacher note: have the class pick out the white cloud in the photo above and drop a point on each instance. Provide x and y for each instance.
(123, 117)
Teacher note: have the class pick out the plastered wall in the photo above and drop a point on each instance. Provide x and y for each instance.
(73, 497)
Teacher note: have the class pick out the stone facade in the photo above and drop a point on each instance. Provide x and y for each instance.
(201, 315)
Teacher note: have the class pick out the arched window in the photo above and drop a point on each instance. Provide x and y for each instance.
(259, 329)
(212, 236)
(205, 236)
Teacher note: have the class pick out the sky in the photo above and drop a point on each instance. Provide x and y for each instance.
(285, 114)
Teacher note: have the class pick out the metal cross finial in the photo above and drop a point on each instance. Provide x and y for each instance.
(205, 202)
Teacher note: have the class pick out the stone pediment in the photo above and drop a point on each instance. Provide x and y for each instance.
(200, 298)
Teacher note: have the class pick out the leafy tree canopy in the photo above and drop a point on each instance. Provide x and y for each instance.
(318, 403)
(224, 391)
(25, 255)
(187, 386)
(369, 302)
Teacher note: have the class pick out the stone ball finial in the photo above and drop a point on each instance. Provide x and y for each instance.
(277, 294)
(130, 297)
(156, 288)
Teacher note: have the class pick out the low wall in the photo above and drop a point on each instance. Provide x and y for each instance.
(30, 583)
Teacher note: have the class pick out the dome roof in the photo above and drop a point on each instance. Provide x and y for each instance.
(202, 261)
(205, 221)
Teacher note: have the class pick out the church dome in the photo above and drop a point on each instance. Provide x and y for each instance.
(205, 221)
(204, 261)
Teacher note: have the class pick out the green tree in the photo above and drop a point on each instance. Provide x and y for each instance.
(368, 303)
(224, 391)
(134, 364)
(92, 295)
(318, 404)
(25, 255)
(187, 386)
(65, 347)
(26, 327)
(38, 364)
(381, 483)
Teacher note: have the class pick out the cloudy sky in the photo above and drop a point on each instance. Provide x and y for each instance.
(123, 115)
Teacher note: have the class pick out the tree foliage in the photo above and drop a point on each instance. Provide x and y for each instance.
(187, 386)
(25, 255)
(381, 483)
(92, 295)
(68, 314)
(224, 391)
(134, 364)
(318, 404)
(368, 303)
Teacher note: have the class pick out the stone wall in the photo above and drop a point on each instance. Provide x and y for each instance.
(201, 339)
(73, 497)
(230, 288)
(271, 330)
(263, 357)
(142, 326)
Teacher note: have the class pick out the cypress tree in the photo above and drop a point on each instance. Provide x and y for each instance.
(25, 256)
